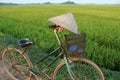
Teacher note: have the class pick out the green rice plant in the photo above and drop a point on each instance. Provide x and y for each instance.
(100, 23)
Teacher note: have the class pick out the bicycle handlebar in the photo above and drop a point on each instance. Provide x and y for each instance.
(56, 27)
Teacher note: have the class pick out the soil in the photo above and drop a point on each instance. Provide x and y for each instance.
(3, 73)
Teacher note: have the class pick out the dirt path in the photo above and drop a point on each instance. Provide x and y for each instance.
(3, 74)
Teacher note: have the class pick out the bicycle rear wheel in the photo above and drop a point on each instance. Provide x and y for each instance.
(16, 64)
(82, 69)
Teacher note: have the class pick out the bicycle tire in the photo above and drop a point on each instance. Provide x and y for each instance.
(82, 68)
(16, 64)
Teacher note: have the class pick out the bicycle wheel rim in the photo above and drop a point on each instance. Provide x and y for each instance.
(83, 69)
(16, 64)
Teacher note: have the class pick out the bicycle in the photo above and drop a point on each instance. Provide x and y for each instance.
(19, 66)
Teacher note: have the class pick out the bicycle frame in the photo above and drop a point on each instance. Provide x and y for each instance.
(61, 54)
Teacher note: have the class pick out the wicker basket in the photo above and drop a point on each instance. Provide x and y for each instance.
(75, 44)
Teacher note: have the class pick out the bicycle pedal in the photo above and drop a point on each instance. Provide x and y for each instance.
(36, 71)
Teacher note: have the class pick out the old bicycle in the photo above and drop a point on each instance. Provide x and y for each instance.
(72, 65)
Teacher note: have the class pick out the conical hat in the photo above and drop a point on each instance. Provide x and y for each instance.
(67, 21)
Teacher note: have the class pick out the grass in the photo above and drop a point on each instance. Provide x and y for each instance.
(36, 54)
(100, 23)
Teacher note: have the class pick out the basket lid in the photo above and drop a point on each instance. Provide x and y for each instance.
(67, 21)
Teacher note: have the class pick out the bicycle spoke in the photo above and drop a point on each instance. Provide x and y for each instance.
(16, 64)
(81, 69)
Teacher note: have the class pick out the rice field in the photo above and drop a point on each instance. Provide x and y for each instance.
(100, 23)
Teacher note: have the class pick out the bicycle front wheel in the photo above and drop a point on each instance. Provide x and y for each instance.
(16, 64)
(82, 69)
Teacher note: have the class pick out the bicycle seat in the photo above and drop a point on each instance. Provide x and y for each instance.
(24, 42)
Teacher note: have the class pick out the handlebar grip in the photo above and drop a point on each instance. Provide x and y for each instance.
(52, 26)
